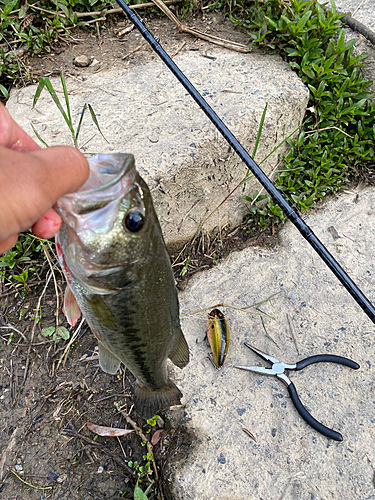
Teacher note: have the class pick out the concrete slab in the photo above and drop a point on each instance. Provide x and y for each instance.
(289, 460)
(146, 111)
(362, 10)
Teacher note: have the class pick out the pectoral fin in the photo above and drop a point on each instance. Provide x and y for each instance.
(181, 355)
(71, 308)
(108, 361)
(102, 311)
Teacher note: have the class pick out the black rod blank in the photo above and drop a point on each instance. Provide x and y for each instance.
(276, 196)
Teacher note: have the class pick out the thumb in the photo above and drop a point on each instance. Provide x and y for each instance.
(30, 184)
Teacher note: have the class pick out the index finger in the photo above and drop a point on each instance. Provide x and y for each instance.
(12, 136)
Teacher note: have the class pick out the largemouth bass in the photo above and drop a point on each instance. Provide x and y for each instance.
(114, 258)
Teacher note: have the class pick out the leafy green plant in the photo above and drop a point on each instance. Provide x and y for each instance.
(142, 471)
(153, 421)
(56, 333)
(13, 262)
(22, 251)
(139, 494)
(338, 132)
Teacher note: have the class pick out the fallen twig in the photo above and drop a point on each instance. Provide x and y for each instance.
(328, 128)
(34, 326)
(10, 327)
(244, 309)
(67, 348)
(46, 252)
(238, 47)
(134, 51)
(74, 434)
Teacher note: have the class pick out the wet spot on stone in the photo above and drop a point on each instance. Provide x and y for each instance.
(221, 459)
(241, 411)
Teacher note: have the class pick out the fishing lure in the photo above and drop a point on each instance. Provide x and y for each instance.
(218, 337)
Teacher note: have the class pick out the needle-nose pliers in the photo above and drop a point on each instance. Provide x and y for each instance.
(278, 370)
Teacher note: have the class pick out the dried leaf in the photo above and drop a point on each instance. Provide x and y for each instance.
(156, 437)
(100, 430)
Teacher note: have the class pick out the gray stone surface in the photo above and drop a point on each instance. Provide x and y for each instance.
(289, 460)
(147, 112)
(362, 10)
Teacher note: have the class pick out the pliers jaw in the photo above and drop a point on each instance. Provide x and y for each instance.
(263, 355)
(277, 369)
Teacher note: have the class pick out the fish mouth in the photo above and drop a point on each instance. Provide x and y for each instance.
(110, 176)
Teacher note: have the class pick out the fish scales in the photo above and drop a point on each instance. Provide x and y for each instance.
(113, 254)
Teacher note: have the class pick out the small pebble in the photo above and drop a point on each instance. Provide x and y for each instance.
(81, 61)
(370, 212)
(18, 467)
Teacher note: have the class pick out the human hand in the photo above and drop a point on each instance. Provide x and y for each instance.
(31, 181)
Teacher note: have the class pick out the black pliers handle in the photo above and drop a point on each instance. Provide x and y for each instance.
(278, 370)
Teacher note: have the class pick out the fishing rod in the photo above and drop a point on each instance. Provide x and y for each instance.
(275, 194)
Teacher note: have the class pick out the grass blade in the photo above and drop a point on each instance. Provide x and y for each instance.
(63, 83)
(80, 122)
(4, 91)
(260, 128)
(38, 91)
(94, 119)
(38, 136)
(281, 143)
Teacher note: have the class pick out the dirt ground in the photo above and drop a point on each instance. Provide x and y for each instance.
(49, 390)
(107, 48)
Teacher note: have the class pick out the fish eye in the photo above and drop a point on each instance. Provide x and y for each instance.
(134, 221)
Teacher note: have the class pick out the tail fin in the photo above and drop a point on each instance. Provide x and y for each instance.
(149, 402)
